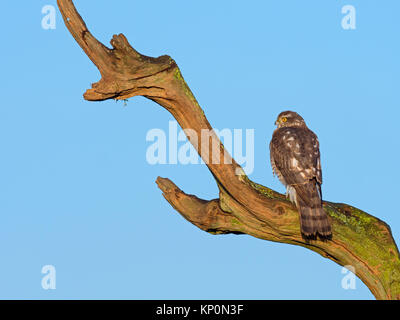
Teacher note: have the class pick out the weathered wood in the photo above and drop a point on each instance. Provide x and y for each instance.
(243, 207)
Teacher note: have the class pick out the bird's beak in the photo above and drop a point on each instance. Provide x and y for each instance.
(276, 122)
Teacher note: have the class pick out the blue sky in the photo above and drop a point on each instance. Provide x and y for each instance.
(77, 191)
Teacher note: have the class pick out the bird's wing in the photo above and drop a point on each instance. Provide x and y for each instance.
(295, 155)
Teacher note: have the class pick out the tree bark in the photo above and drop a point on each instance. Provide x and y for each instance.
(243, 206)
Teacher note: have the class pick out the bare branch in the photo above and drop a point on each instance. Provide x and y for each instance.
(243, 207)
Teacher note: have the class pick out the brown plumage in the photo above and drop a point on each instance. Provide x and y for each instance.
(295, 159)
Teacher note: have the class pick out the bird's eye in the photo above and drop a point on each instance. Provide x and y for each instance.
(284, 119)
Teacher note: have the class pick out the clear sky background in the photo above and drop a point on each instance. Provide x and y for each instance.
(77, 192)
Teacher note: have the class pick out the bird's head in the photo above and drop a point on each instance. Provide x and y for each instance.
(289, 119)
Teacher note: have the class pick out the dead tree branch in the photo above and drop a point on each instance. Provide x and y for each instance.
(245, 207)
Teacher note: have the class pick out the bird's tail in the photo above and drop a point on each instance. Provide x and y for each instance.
(313, 222)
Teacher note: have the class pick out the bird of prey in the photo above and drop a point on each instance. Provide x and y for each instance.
(295, 159)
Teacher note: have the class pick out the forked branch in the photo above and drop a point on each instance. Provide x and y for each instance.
(243, 207)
